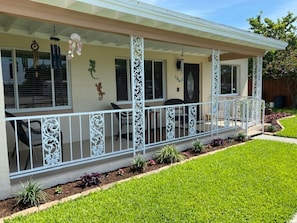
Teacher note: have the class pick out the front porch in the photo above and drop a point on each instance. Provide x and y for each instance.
(92, 137)
(145, 55)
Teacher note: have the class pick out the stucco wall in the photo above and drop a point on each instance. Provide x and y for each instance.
(83, 89)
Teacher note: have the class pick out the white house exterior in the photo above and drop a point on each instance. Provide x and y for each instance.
(142, 55)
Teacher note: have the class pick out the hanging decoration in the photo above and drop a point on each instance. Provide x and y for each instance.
(180, 68)
(100, 92)
(92, 69)
(74, 43)
(55, 50)
(35, 48)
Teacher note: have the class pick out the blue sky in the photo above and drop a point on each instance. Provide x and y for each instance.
(229, 12)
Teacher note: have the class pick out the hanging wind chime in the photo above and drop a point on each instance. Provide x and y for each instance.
(74, 44)
(55, 50)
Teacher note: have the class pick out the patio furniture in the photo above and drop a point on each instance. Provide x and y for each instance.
(23, 133)
(28, 134)
(181, 113)
(124, 119)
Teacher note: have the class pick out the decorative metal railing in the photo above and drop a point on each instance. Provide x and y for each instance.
(76, 138)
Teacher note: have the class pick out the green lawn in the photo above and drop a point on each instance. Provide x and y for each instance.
(292, 111)
(290, 127)
(254, 182)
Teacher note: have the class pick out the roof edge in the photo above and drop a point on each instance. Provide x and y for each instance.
(168, 17)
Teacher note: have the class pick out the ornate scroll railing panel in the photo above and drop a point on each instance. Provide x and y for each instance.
(97, 138)
(51, 141)
(137, 74)
(215, 87)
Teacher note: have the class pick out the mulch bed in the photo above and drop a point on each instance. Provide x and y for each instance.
(9, 207)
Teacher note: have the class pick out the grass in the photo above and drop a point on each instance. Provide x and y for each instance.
(254, 182)
(292, 111)
(290, 127)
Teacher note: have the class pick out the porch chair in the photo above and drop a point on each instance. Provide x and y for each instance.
(23, 134)
(22, 129)
(181, 114)
(124, 119)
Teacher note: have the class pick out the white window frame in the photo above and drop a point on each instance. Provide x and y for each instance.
(129, 89)
(16, 93)
(232, 77)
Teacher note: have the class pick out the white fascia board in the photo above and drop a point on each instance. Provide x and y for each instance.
(171, 18)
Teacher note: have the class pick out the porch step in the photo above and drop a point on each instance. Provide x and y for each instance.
(252, 133)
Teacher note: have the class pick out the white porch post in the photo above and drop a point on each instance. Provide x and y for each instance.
(4, 166)
(137, 76)
(215, 89)
(257, 77)
(257, 86)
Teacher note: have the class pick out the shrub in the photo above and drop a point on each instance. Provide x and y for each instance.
(240, 136)
(275, 116)
(270, 128)
(88, 180)
(217, 142)
(197, 146)
(31, 195)
(58, 190)
(138, 164)
(168, 154)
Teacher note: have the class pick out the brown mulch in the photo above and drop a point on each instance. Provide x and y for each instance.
(9, 207)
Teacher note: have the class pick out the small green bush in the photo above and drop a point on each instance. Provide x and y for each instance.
(197, 146)
(271, 128)
(31, 195)
(168, 154)
(58, 190)
(138, 164)
(240, 136)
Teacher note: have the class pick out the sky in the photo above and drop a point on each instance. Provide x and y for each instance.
(230, 12)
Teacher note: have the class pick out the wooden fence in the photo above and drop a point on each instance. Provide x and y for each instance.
(276, 91)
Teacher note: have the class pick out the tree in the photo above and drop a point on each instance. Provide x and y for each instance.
(282, 63)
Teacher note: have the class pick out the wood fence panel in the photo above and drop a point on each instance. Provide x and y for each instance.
(271, 89)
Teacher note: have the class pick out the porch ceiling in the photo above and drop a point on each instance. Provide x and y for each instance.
(110, 23)
(136, 12)
(39, 29)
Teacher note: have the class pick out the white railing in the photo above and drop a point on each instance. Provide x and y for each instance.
(76, 138)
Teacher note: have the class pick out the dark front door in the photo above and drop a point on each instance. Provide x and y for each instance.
(191, 83)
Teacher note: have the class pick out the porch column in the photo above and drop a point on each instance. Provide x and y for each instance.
(4, 166)
(257, 77)
(215, 89)
(257, 87)
(137, 76)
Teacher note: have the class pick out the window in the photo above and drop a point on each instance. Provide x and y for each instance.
(30, 82)
(153, 77)
(229, 76)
